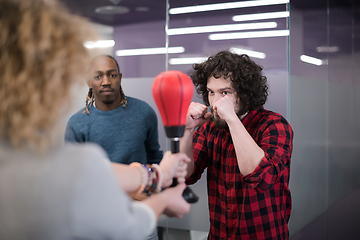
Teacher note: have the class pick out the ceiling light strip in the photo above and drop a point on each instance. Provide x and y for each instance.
(241, 35)
(189, 60)
(250, 53)
(327, 49)
(260, 16)
(221, 28)
(192, 60)
(223, 6)
(149, 51)
(312, 60)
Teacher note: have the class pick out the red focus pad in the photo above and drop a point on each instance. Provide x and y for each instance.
(172, 92)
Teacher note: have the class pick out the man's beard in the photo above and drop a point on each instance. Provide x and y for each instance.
(108, 101)
(220, 123)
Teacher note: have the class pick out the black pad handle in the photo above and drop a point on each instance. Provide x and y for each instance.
(188, 194)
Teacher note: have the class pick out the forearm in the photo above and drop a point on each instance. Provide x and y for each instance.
(129, 178)
(187, 148)
(248, 153)
(157, 202)
(170, 201)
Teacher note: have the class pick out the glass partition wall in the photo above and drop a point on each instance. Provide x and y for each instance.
(310, 55)
(259, 29)
(324, 112)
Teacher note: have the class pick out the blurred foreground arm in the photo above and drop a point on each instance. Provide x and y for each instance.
(172, 166)
(169, 200)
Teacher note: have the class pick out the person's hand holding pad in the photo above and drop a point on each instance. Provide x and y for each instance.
(176, 205)
(170, 201)
(173, 166)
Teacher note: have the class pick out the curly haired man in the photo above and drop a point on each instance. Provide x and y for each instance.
(245, 148)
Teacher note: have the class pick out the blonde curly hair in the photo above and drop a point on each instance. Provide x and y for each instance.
(42, 56)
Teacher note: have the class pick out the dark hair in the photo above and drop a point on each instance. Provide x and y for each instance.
(245, 75)
(109, 56)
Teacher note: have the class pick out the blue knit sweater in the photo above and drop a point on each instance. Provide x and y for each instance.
(127, 134)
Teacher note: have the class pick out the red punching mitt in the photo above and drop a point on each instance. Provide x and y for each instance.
(172, 92)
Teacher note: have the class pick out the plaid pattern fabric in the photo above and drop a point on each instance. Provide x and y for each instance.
(256, 206)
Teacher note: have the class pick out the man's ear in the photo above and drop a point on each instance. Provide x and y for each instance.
(88, 82)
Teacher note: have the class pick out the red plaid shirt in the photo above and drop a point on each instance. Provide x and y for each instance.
(256, 206)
